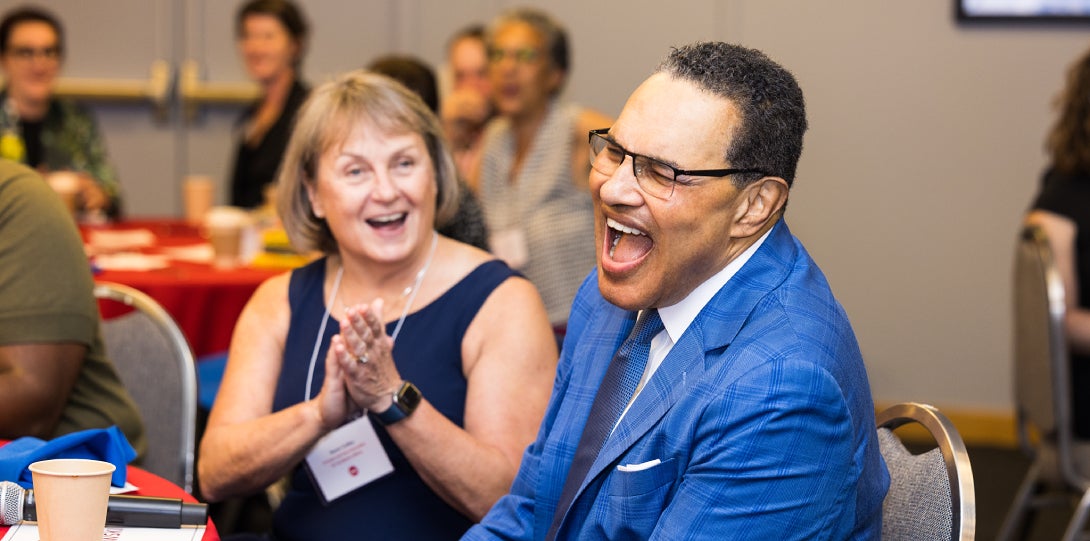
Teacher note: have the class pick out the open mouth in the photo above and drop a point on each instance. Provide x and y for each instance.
(388, 221)
(626, 244)
(509, 90)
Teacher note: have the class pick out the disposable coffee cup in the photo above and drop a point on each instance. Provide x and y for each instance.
(66, 185)
(70, 497)
(225, 227)
(198, 193)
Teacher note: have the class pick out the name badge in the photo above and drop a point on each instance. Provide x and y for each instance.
(510, 246)
(346, 459)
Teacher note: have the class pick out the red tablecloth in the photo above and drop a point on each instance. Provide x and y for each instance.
(152, 485)
(204, 300)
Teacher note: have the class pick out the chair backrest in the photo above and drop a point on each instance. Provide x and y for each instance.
(1042, 380)
(156, 365)
(931, 495)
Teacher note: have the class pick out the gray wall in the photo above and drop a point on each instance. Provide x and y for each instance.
(925, 143)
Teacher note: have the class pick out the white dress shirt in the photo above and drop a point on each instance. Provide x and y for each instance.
(677, 318)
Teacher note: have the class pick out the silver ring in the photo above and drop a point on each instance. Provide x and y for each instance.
(362, 359)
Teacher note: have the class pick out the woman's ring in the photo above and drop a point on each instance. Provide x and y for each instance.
(362, 359)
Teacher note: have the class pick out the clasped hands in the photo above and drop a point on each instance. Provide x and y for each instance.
(360, 371)
(464, 114)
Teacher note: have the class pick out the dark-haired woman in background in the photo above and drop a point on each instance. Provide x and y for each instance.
(272, 38)
(1062, 210)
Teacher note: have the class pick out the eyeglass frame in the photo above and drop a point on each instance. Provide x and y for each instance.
(27, 54)
(714, 173)
(522, 55)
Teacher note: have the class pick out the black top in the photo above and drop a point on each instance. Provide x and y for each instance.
(256, 167)
(468, 224)
(32, 138)
(428, 352)
(1069, 196)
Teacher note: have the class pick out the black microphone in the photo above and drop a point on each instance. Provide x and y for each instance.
(17, 504)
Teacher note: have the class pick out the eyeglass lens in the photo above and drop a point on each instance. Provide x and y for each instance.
(27, 53)
(521, 56)
(655, 177)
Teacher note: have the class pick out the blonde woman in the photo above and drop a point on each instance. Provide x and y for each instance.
(445, 348)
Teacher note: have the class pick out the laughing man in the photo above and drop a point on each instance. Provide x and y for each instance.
(747, 413)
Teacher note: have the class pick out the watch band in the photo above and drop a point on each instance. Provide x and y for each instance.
(406, 399)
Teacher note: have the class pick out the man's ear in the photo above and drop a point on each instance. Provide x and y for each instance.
(760, 203)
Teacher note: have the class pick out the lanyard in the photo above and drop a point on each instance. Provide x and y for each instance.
(333, 298)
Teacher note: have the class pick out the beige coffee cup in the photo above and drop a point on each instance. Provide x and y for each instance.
(198, 194)
(70, 497)
(66, 184)
(225, 227)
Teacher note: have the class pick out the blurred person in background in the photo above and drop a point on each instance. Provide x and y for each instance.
(468, 106)
(40, 130)
(468, 223)
(366, 178)
(1062, 210)
(534, 165)
(272, 37)
(55, 377)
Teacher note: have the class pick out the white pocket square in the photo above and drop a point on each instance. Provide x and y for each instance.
(638, 467)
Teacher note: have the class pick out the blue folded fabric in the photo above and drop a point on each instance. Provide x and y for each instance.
(209, 375)
(106, 444)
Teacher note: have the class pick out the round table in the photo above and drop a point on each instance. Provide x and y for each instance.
(204, 300)
(149, 484)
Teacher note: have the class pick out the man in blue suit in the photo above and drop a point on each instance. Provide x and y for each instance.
(752, 416)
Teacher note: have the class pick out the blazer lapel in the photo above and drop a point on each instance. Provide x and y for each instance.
(682, 366)
(714, 328)
(590, 360)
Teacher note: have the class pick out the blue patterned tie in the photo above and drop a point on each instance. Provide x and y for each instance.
(617, 388)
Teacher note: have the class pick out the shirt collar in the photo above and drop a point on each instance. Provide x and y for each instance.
(677, 318)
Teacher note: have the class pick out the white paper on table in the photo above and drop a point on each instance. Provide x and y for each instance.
(28, 531)
(106, 241)
(128, 261)
(129, 487)
(193, 253)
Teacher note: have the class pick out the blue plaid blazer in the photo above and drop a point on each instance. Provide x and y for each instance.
(760, 418)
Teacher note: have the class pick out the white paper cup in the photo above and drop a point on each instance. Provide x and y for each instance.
(70, 497)
(198, 194)
(224, 227)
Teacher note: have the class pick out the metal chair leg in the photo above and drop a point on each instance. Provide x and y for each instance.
(1078, 520)
(1018, 508)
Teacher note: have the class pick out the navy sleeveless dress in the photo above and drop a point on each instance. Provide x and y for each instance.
(428, 352)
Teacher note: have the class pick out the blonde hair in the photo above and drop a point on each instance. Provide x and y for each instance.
(326, 119)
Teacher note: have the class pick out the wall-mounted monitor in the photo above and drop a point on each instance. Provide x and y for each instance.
(1064, 11)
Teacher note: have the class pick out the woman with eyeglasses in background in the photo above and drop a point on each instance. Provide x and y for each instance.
(41, 130)
(534, 167)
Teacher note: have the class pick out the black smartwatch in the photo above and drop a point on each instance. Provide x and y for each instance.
(406, 399)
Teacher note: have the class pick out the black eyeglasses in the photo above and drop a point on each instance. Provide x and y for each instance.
(655, 177)
(522, 56)
(27, 54)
